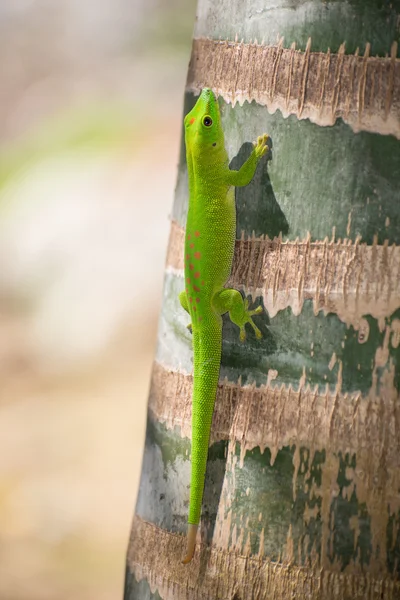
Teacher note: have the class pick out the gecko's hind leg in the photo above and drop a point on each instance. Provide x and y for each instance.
(184, 303)
(229, 300)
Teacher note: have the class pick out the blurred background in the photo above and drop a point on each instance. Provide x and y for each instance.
(91, 99)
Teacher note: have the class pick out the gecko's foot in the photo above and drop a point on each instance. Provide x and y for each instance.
(229, 300)
(261, 145)
(257, 332)
(255, 328)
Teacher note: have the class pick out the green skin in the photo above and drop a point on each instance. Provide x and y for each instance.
(209, 247)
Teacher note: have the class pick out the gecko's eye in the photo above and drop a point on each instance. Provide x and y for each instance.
(207, 121)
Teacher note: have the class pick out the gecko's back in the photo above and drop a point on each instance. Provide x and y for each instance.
(211, 222)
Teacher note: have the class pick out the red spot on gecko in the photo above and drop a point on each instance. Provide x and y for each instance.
(196, 289)
(197, 274)
(197, 255)
(188, 256)
(191, 267)
(197, 300)
(188, 236)
(192, 120)
(192, 245)
(202, 283)
(200, 319)
(188, 280)
(197, 233)
(194, 308)
(190, 299)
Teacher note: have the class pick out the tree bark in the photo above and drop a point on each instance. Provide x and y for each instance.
(302, 494)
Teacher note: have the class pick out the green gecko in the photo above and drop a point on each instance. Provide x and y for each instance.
(209, 246)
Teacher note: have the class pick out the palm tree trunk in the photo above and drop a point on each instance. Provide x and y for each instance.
(302, 494)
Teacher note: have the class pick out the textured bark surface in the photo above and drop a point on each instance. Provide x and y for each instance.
(334, 433)
(221, 574)
(302, 493)
(274, 416)
(362, 90)
(346, 278)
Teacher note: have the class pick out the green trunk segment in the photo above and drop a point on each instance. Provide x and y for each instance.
(319, 349)
(330, 182)
(329, 24)
(393, 545)
(343, 540)
(316, 349)
(135, 590)
(163, 497)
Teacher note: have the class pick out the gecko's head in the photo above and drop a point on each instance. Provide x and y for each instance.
(203, 130)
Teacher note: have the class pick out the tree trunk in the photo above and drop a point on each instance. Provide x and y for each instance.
(302, 495)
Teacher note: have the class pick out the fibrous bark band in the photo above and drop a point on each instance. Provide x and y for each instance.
(154, 554)
(362, 90)
(349, 279)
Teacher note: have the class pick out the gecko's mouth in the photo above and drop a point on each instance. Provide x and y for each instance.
(207, 95)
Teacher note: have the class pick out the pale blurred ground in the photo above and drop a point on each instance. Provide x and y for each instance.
(90, 113)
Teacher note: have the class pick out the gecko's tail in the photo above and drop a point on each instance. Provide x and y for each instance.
(191, 543)
(207, 361)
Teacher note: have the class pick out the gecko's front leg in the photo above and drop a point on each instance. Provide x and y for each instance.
(246, 172)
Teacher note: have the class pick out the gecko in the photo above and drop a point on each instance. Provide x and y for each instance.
(209, 247)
